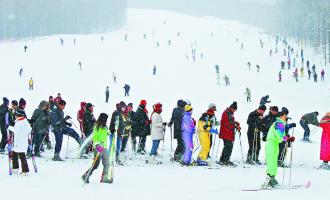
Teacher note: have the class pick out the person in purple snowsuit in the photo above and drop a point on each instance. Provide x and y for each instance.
(188, 130)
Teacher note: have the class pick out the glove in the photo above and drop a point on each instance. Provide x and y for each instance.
(67, 117)
(205, 127)
(164, 123)
(69, 124)
(291, 139)
(99, 148)
(292, 125)
(214, 131)
(238, 128)
(285, 138)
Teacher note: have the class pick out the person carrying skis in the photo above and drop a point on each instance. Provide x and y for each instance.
(204, 128)
(248, 95)
(4, 123)
(188, 130)
(264, 100)
(127, 89)
(325, 142)
(254, 122)
(176, 119)
(117, 127)
(21, 131)
(141, 126)
(88, 124)
(275, 136)
(107, 95)
(228, 128)
(309, 118)
(40, 122)
(62, 127)
(31, 84)
(100, 142)
(80, 117)
(157, 132)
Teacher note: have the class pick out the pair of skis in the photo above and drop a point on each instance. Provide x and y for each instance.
(282, 187)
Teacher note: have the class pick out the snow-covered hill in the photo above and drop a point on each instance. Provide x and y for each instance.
(54, 69)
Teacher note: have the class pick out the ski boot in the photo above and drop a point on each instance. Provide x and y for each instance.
(201, 162)
(57, 157)
(325, 166)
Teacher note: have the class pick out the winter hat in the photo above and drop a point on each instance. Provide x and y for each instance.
(157, 107)
(233, 105)
(20, 113)
(122, 105)
(188, 108)
(82, 104)
(88, 105)
(14, 102)
(130, 105)
(21, 102)
(262, 107)
(213, 106)
(5, 100)
(210, 112)
(143, 102)
(274, 108)
(50, 97)
(62, 102)
(284, 111)
(181, 104)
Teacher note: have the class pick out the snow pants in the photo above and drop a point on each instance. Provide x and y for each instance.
(272, 151)
(204, 139)
(104, 156)
(22, 157)
(306, 129)
(227, 150)
(189, 147)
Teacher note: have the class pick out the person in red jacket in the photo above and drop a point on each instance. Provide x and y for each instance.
(80, 115)
(228, 125)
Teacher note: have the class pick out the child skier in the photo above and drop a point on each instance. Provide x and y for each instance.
(275, 136)
(188, 129)
(100, 141)
(21, 131)
(157, 131)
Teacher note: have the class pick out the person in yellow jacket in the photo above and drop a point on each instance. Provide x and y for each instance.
(204, 129)
(31, 84)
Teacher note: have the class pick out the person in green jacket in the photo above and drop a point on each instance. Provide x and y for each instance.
(100, 141)
(275, 136)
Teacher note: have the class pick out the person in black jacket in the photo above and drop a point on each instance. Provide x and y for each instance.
(117, 125)
(62, 127)
(40, 122)
(88, 125)
(4, 123)
(264, 100)
(268, 121)
(254, 121)
(141, 126)
(176, 119)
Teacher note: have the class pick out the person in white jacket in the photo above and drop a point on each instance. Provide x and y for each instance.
(157, 131)
(21, 131)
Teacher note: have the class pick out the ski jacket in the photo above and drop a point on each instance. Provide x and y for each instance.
(310, 118)
(100, 137)
(188, 124)
(325, 139)
(276, 132)
(21, 130)
(40, 119)
(141, 123)
(204, 124)
(157, 128)
(4, 116)
(57, 120)
(227, 127)
(88, 122)
(264, 100)
(255, 125)
(117, 119)
(176, 119)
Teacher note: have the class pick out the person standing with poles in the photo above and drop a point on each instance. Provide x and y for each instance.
(227, 134)
(275, 136)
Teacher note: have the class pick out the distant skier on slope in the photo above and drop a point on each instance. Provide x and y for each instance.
(264, 100)
(127, 88)
(248, 94)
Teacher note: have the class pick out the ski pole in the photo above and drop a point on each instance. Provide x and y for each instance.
(216, 155)
(213, 148)
(67, 147)
(283, 159)
(291, 160)
(171, 141)
(240, 143)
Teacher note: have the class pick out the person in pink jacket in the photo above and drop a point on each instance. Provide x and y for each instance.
(325, 142)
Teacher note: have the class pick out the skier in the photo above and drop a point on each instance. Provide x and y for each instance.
(309, 118)
(226, 80)
(40, 122)
(315, 77)
(154, 70)
(258, 68)
(141, 126)
(128, 115)
(107, 95)
(21, 131)
(61, 127)
(25, 48)
(322, 75)
(314, 68)
(114, 77)
(217, 69)
(295, 75)
(307, 64)
(88, 124)
(325, 142)
(79, 63)
(100, 141)
(205, 126)
(270, 52)
(157, 132)
(80, 117)
(280, 76)
(254, 122)
(4, 123)
(309, 74)
(282, 65)
(62, 41)
(289, 63)
(21, 72)
(248, 95)
(249, 64)
(127, 88)
(188, 130)
(31, 84)
(264, 100)
(176, 119)
(275, 136)
(117, 127)
(227, 134)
